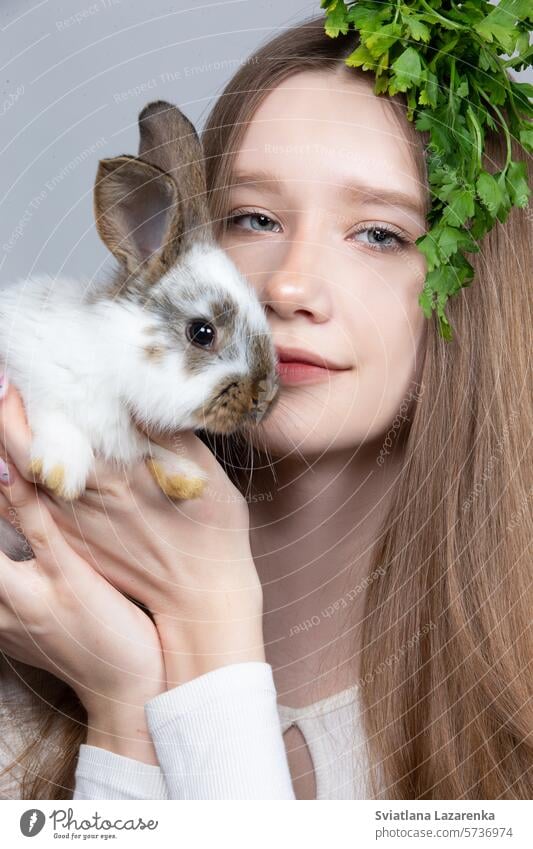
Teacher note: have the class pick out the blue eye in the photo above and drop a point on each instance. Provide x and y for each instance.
(259, 217)
(385, 237)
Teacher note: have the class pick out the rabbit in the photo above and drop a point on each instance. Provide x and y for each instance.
(176, 338)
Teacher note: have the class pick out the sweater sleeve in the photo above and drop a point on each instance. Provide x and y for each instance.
(218, 736)
(101, 774)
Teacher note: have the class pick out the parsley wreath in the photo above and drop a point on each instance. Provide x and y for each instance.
(447, 58)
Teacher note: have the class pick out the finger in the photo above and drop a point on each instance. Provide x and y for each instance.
(111, 478)
(14, 548)
(9, 584)
(13, 543)
(105, 475)
(188, 444)
(15, 433)
(32, 517)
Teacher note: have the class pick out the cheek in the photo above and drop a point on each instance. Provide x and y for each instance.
(250, 259)
(391, 345)
(243, 255)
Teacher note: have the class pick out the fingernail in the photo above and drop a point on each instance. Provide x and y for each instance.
(4, 383)
(4, 472)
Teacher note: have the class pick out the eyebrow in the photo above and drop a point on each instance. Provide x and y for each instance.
(359, 192)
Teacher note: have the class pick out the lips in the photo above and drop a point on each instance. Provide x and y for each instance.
(299, 355)
(297, 366)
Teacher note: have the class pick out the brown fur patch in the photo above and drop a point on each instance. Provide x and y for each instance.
(261, 354)
(175, 486)
(224, 311)
(170, 164)
(155, 353)
(170, 141)
(54, 480)
(127, 191)
(238, 401)
(36, 467)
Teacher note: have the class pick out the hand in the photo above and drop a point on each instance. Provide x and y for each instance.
(188, 562)
(58, 614)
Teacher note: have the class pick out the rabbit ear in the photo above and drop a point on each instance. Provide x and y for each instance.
(137, 214)
(169, 140)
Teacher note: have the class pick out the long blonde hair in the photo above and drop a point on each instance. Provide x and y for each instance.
(453, 716)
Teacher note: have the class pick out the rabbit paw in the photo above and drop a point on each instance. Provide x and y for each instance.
(58, 477)
(60, 458)
(53, 478)
(176, 476)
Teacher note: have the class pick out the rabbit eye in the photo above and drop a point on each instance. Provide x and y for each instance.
(201, 333)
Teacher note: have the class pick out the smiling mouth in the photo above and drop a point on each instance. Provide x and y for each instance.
(292, 372)
(305, 357)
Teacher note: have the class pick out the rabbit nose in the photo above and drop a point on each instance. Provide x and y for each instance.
(263, 393)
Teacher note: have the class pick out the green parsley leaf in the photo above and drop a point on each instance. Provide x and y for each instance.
(517, 182)
(418, 30)
(408, 70)
(337, 20)
(489, 192)
(447, 58)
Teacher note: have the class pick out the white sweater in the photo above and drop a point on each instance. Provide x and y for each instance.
(217, 736)
(220, 736)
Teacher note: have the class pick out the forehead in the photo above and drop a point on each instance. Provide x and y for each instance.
(318, 125)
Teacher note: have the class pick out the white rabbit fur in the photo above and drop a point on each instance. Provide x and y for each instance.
(96, 365)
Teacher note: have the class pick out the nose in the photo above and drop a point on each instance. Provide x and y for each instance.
(299, 284)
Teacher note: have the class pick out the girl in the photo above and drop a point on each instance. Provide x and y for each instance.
(346, 612)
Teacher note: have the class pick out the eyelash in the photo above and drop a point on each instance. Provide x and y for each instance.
(387, 229)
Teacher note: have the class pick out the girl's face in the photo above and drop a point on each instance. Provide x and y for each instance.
(322, 218)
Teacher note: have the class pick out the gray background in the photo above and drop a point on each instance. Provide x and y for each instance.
(70, 93)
